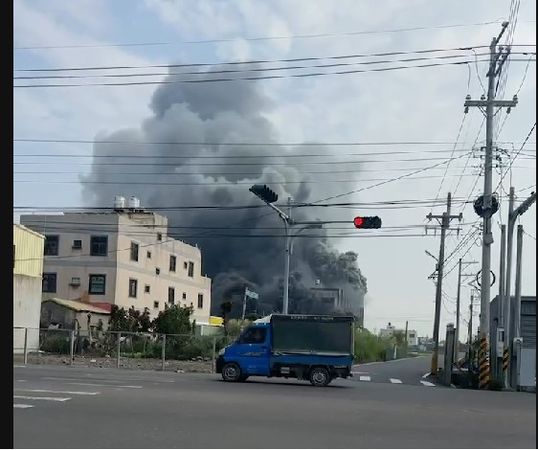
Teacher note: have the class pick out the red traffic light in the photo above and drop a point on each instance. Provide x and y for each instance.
(358, 221)
(367, 222)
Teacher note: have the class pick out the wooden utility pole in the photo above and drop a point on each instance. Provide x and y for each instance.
(444, 221)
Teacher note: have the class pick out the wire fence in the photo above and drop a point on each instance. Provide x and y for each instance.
(118, 348)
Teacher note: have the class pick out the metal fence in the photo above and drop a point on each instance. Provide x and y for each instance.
(118, 348)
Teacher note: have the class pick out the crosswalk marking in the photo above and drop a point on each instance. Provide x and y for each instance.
(49, 391)
(364, 378)
(107, 385)
(395, 380)
(22, 405)
(427, 383)
(51, 399)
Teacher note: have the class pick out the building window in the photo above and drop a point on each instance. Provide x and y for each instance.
(49, 282)
(51, 245)
(99, 245)
(159, 236)
(77, 244)
(200, 301)
(157, 271)
(156, 305)
(171, 295)
(133, 284)
(191, 269)
(184, 296)
(173, 261)
(148, 254)
(134, 251)
(147, 288)
(97, 284)
(75, 281)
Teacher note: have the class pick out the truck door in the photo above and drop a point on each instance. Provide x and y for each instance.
(253, 351)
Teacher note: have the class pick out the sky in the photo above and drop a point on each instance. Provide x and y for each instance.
(421, 104)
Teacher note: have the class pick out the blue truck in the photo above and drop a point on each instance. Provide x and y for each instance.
(307, 347)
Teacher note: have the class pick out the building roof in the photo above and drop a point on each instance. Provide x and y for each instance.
(28, 230)
(79, 306)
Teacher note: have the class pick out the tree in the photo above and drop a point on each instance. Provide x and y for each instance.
(173, 320)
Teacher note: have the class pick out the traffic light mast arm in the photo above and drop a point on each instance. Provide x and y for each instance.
(281, 213)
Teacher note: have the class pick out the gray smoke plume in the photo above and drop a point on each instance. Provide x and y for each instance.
(216, 113)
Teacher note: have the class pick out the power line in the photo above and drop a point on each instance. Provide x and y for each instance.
(237, 144)
(517, 154)
(211, 183)
(332, 197)
(234, 164)
(243, 70)
(267, 77)
(258, 38)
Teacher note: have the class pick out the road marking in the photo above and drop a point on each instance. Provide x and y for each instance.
(427, 383)
(395, 380)
(426, 375)
(19, 367)
(358, 373)
(51, 399)
(22, 405)
(21, 381)
(106, 385)
(364, 378)
(49, 391)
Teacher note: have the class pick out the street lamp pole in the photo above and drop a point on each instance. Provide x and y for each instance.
(269, 197)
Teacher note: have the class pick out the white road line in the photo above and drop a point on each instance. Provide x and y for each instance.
(107, 385)
(364, 378)
(51, 399)
(395, 380)
(427, 374)
(19, 367)
(427, 383)
(358, 373)
(22, 405)
(21, 381)
(50, 391)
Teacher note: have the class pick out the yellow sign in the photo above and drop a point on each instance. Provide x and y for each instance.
(216, 321)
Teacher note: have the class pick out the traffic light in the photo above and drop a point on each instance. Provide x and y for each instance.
(263, 192)
(367, 222)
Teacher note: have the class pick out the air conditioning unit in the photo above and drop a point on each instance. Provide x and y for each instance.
(75, 281)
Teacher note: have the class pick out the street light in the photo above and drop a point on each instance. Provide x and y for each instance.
(268, 196)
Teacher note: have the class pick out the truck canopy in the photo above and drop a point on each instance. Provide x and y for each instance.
(322, 335)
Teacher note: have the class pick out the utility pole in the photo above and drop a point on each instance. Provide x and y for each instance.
(457, 331)
(285, 300)
(488, 208)
(406, 342)
(444, 220)
(470, 331)
(509, 334)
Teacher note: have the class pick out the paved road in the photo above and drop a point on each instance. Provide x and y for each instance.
(400, 371)
(68, 407)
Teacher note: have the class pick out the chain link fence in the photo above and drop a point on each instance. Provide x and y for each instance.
(134, 350)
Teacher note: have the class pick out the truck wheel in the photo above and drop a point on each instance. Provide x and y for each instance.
(319, 377)
(231, 372)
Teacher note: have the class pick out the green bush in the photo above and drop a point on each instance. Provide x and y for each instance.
(55, 344)
(369, 347)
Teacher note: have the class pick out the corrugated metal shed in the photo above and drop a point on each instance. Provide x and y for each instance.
(28, 251)
(78, 306)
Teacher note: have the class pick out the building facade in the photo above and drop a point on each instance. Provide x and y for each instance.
(124, 257)
(27, 274)
(391, 330)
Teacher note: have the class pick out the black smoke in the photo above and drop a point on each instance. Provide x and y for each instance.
(216, 113)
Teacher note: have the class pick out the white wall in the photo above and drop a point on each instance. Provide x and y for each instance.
(26, 311)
